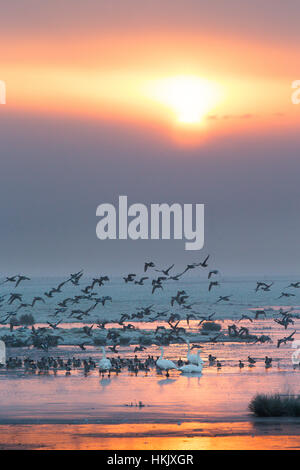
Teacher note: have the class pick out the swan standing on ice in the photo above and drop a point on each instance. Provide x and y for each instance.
(192, 368)
(193, 358)
(165, 364)
(104, 363)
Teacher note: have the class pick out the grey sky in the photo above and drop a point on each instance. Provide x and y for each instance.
(54, 172)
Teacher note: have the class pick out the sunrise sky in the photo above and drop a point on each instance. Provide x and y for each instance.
(162, 101)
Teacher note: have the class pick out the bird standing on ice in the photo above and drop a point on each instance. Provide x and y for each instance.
(165, 364)
(193, 358)
(104, 363)
(192, 368)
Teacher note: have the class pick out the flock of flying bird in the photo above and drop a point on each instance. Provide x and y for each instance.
(69, 308)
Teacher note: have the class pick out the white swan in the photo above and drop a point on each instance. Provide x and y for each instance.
(165, 364)
(104, 363)
(192, 368)
(193, 358)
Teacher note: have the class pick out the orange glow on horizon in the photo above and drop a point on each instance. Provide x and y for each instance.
(185, 86)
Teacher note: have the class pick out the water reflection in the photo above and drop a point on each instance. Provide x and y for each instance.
(212, 407)
(189, 436)
(166, 381)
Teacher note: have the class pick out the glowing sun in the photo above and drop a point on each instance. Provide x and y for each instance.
(189, 97)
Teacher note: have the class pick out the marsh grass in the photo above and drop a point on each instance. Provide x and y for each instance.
(275, 405)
